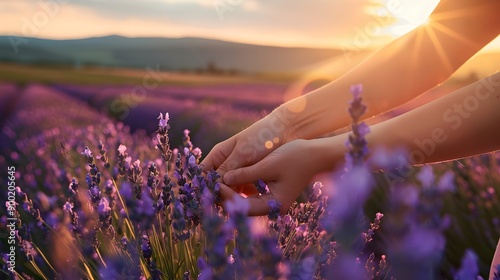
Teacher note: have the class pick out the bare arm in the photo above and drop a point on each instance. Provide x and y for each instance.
(403, 69)
(461, 124)
(394, 75)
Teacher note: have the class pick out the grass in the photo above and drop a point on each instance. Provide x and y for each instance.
(63, 74)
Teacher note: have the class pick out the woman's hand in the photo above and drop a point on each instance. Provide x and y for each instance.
(286, 171)
(252, 144)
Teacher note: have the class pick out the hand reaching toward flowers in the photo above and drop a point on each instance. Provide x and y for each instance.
(250, 145)
(458, 125)
(430, 55)
(286, 170)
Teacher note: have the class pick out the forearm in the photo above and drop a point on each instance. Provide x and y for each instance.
(461, 124)
(398, 72)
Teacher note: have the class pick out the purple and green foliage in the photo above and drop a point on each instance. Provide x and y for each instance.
(97, 201)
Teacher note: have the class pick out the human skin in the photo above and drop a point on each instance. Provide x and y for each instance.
(395, 74)
(460, 124)
(495, 262)
(277, 149)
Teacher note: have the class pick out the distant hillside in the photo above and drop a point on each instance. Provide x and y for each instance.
(197, 54)
(171, 54)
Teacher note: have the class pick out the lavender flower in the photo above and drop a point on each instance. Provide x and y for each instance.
(237, 206)
(152, 182)
(186, 140)
(135, 177)
(124, 242)
(121, 150)
(316, 192)
(147, 252)
(103, 209)
(163, 121)
(373, 226)
(356, 108)
(110, 191)
(356, 143)
(68, 207)
(274, 211)
(123, 160)
(162, 139)
(102, 155)
(167, 192)
(261, 187)
(426, 176)
(469, 269)
(179, 223)
(238, 209)
(88, 154)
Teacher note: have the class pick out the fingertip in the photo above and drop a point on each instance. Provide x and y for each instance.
(226, 192)
(228, 178)
(259, 205)
(205, 165)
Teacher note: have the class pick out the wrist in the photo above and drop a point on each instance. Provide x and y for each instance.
(330, 151)
(281, 124)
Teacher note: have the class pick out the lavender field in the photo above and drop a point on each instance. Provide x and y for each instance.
(103, 188)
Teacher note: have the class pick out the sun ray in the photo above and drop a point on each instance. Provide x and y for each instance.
(437, 45)
(419, 39)
(460, 13)
(446, 30)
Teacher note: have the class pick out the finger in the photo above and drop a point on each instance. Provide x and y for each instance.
(217, 155)
(246, 189)
(247, 175)
(233, 161)
(226, 192)
(279, 191)
(258, 203)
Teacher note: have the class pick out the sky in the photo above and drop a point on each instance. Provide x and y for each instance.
(353, 24)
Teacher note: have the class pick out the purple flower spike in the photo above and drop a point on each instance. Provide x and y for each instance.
(103, 209)
(469, 269)
(316, 192)
(274, 212)
(122, 149)
(357, 108)
(163, 121)
(356, 90)
(356, 143)
(426, 176)
(192, 161)
(87, 152)
(237, 205)
(68, 207)
(261, 187)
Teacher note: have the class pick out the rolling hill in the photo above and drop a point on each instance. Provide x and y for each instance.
(170, 53)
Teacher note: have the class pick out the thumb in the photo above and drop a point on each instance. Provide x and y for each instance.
(245, 175)
(217, 155)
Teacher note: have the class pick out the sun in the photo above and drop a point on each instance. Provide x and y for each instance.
(408, 14)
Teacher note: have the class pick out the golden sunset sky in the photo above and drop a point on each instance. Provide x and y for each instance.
(356, 24)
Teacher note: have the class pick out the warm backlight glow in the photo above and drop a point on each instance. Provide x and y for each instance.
(408, 14)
